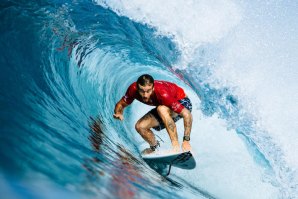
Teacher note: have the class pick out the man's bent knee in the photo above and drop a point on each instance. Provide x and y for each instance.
(163, 110)
(140, 127)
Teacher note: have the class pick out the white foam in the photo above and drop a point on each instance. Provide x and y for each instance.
(260, 61)
(262, 64)
(189, 23)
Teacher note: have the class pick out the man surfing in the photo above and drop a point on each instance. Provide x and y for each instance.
(171, 104)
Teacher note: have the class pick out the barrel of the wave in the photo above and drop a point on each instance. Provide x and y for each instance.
(170, 105)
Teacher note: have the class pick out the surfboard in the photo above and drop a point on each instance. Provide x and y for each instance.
(160, 162)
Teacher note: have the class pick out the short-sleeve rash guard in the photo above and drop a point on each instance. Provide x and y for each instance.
(165, 93)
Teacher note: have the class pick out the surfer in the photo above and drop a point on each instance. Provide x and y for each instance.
(171, 104)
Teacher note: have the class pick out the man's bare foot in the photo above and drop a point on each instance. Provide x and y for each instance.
(151, 149)
(176, 149)
(147, 151)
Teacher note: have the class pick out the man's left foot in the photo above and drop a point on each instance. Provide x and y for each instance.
(147, 151)
(151, 149)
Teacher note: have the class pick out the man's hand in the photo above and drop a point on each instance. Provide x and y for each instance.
(118, 111)
(186, 146)
(118, 116)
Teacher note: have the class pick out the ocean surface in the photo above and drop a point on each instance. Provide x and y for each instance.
(64, 65)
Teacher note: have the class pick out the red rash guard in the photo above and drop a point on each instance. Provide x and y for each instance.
(165, 93)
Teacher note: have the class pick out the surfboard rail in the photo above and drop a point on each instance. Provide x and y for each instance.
(183, 160)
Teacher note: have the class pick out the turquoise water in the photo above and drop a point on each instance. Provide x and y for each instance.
(64, 65)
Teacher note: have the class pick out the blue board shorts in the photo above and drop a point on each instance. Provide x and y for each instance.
(185, 102)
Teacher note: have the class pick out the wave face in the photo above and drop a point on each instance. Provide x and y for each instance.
(64, 65)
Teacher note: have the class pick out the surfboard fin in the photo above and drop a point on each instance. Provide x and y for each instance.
(169, 171)
(180, 158)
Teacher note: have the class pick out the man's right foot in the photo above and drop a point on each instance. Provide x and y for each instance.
(176, 149)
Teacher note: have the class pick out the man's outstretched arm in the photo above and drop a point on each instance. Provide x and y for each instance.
(118, 111)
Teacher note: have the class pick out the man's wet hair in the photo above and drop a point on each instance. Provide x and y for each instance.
(145, 79)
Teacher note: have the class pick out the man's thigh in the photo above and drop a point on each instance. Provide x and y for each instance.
(160, 125)
(148, 121)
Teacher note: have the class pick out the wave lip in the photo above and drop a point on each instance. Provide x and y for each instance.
(189, 23)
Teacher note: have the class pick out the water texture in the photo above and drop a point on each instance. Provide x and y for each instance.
(64, 65)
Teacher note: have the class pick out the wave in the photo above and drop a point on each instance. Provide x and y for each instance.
(65, 65)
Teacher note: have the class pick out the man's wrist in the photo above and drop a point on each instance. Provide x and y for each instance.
(186, 138)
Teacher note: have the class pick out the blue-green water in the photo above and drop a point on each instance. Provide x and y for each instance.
(64, 65)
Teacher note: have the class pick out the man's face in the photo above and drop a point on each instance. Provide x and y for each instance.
(146, 91)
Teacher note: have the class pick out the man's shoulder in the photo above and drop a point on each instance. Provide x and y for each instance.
(160, 84)
(133, 86)
(160, 81)
(130, 94)
(161, 88)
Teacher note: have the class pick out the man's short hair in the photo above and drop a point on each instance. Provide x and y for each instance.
(145, 79)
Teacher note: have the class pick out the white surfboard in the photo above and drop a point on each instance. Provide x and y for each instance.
(183, 160)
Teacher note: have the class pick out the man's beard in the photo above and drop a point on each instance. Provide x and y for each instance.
(146, 99)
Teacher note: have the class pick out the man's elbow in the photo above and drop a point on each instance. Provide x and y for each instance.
(123, 103)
